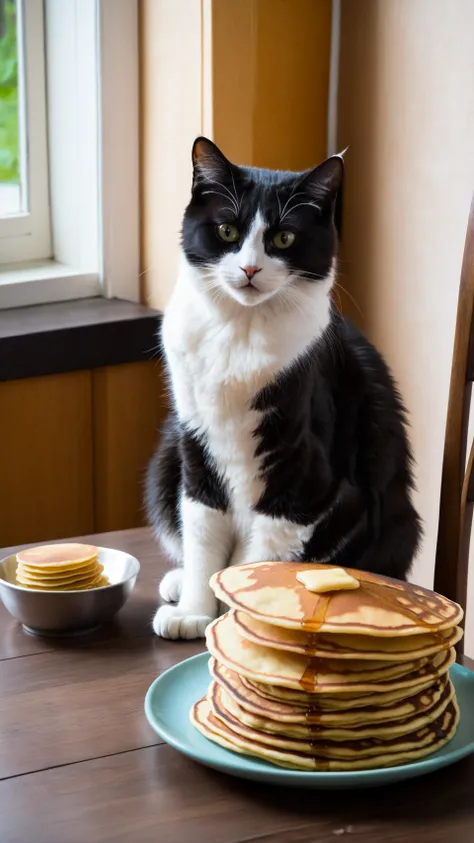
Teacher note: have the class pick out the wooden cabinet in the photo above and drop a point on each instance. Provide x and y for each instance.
(73, 450)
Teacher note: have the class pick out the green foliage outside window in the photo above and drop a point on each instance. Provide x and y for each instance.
(9, 146)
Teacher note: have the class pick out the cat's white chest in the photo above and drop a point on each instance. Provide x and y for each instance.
(216, 371)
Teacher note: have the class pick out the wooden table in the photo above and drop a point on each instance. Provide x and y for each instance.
(79, 763)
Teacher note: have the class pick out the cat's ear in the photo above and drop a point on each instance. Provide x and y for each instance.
(209, 163)
(324, 181)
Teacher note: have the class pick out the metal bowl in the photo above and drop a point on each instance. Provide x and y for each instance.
(70, 612)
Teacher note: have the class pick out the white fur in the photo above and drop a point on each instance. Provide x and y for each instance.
(173, 546)
(171, 585)
(207, 538)
(220, 354)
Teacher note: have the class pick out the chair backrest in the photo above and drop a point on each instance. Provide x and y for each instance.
(457, 483)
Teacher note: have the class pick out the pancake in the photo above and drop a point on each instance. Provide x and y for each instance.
(430, 739)
(385, 729)
(61, 581)
(380, 607)
(49, 574)
(315, 676)
(60, 567)
(340, 701)
(90, 582)
(288, 713)
(59, 557)
(326, 645)
(100, 582)
(330, 743)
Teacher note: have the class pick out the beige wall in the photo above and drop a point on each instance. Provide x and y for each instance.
(171, 116)
(406, 106)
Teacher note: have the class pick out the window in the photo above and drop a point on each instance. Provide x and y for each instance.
(68, 150)
(24, 203)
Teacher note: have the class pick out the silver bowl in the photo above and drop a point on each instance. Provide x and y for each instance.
(70, 612)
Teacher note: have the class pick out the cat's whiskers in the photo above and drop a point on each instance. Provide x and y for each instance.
(299, 205)
(239, 202)
(212, 284)
(288, 210)
(232, 196)
(354, 302)
(214, 181)
(295, 298)
(279, 204)
(233, 208)
(336, 284)
(292, 194)
(148, 269)
(334, 343)
(305, 274)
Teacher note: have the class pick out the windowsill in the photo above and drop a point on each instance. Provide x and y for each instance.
(43, 281)
(68, 336)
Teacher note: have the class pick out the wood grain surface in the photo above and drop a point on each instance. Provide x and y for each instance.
(125, 435)
(79, 763)
(456, 500)
(46, 458)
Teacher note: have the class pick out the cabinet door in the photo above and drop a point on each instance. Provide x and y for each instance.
(46, 486)
(129, 405)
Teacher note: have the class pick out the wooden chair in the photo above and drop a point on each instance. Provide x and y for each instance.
(457, 483)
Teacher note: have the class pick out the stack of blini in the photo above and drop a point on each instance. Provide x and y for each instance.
(323, 668)
(60, 567)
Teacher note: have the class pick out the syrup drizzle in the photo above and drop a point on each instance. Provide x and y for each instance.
(327, 645)
(383, 592)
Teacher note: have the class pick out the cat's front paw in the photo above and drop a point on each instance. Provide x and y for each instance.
(173, 622)
(171, 584)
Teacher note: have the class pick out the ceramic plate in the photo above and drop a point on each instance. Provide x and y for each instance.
(170, 697)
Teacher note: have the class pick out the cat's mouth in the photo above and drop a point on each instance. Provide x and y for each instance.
(250, 291)
(248, 294)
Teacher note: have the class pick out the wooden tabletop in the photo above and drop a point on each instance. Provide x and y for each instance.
(79, 763)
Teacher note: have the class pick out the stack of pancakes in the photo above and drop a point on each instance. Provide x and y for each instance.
(322, 668)
(60, 567)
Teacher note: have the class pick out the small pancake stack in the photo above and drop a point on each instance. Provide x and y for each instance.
(60, 567)
(322, 668)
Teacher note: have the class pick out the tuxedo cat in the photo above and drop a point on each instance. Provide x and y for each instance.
(287, 436)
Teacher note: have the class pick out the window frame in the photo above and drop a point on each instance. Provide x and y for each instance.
(94, 197)
(26, 235)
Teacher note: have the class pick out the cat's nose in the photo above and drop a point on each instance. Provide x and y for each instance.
(250, 271)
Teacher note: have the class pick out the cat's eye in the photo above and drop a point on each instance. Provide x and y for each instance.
(228, 233)
(283, 239)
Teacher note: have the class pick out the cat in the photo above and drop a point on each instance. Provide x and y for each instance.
(287, 438)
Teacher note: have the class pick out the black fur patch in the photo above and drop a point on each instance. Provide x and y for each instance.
(335, 453)
(201, 480)
(180, 463)
(163, 480)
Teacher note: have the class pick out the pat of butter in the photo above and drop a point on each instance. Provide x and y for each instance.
(334, 579)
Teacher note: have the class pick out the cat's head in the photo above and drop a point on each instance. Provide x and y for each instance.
(256, 234)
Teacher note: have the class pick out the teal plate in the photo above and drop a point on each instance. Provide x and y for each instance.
(170, 697)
